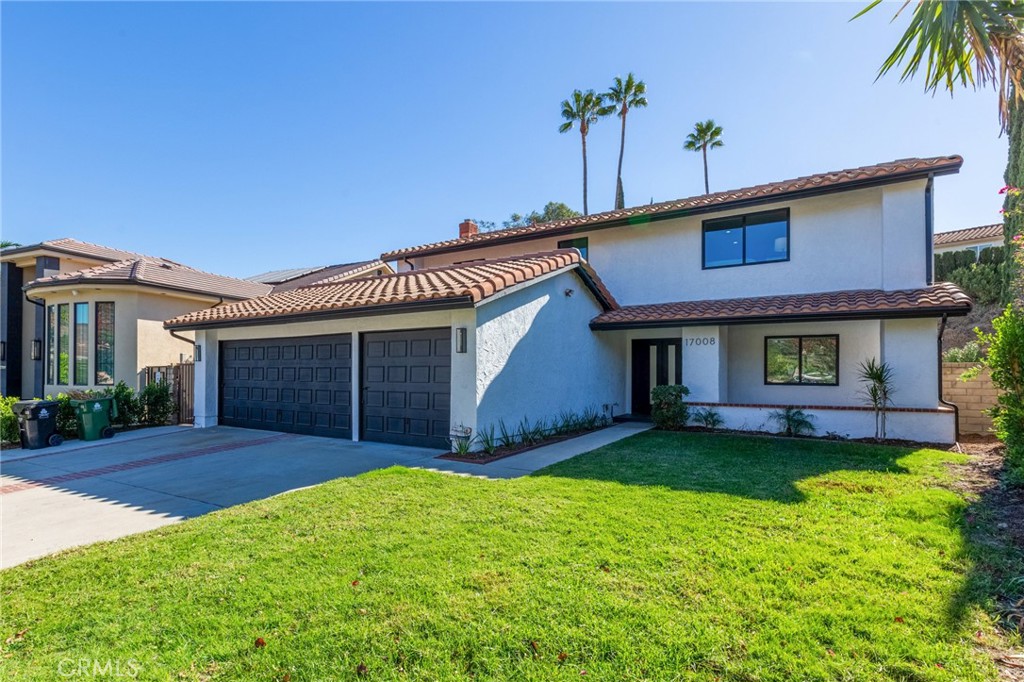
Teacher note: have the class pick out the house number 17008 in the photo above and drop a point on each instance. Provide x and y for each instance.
(699, 341)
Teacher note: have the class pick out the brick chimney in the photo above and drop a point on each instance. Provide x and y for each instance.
(467, 228)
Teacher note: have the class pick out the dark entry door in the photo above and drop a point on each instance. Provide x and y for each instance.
(296, 385)
(406, 382)
(656, 362)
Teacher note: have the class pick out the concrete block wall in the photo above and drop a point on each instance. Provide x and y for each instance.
(972, 397)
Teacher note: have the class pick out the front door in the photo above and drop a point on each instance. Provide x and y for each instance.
(656, 362)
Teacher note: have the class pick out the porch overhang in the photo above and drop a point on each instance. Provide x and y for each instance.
(855, 304)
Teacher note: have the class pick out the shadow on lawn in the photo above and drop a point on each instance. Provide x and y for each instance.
(755, 467)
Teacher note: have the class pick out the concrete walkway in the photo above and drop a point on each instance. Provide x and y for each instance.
(534, 460)
(79, 493)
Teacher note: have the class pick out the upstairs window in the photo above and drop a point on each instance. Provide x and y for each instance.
(580, 244)
(747, 239)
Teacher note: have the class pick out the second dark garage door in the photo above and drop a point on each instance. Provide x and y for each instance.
(406, 382)
(296, 385)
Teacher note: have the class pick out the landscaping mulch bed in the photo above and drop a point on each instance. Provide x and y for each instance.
(509, 451)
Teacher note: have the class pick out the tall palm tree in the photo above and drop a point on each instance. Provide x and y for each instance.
(705, 136)
(583, 109)
(4, 244)
(625, 95)
(962, 42)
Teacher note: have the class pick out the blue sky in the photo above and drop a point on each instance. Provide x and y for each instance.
(245, 137)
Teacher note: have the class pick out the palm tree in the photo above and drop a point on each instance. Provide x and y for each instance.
(962, 41)
(705, 136)
(625, 95)
(583, 109)
(4, 244)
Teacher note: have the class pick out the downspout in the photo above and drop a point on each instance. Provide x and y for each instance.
(929, 234)
(40, 303)
(180, 337)
(411, 266)
(956, 410)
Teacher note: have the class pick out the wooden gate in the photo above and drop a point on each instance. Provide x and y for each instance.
(182, 380)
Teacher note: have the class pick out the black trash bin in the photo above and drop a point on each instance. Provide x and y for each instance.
(37, 423)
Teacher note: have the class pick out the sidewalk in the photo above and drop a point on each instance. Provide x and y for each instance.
(534, 460)
(17, 454)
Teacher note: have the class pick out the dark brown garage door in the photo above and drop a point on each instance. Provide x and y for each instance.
(407, 387)
(297, 385)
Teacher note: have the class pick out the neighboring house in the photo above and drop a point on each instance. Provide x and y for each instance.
(972, 238)
(82, 316)
(755, 299)
(286, 280)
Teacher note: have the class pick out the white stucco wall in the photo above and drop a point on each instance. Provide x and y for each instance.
(910, 348)
(139, 337)
(463, 386)
(927, 427)
(864, 239)
(536, 355)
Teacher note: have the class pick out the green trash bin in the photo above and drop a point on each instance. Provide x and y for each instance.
(93, 416)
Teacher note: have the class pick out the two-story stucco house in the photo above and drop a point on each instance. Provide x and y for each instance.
(755, 299)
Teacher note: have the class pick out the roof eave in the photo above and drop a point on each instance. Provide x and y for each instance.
(906, 176)
(331, 314)
(107, 282)
(938, 311)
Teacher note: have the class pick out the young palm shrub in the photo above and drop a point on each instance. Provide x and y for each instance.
(591, 418)
(461, 445)
(525, 431)
(878, 389)
(539, 431)
(488, 441)
(793, 421)
(709, 418)
(506, 434)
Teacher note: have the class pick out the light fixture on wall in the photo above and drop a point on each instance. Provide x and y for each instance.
(37, 349)
(199, 353)
(460, 339)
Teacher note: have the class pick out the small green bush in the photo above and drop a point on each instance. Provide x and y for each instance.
(709, 418)
(130, 410)
(157, 403)
(982, 282)
(793, 421)
(971, 352)
(668, 410)
(8, 420)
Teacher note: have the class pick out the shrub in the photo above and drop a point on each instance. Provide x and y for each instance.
(982, 282)
(709, 418)
(878, 389)
(971, 352)
(488, 441)
(506, 434)
(1005, 360)
(130, 410)
(67, 422)
(8, 420)
(793, 421)
(156, 403)
(668, 410)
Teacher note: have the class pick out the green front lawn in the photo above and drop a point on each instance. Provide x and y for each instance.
(662, 557)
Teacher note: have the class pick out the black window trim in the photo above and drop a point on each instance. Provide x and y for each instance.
(96, 343)
(743, 216)
(800, 358)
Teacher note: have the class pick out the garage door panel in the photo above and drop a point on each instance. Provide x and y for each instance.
(406, 387)
(288, 385)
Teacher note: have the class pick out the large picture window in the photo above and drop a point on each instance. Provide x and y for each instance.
(81, 371)
(51, 343)
(63, 343)
(746, 239)
(802, 360)
(105, 344)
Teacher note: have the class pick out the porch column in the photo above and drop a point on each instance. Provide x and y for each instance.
(705, 363)
(207, 389)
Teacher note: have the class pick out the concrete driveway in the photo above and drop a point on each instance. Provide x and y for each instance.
(79, 493)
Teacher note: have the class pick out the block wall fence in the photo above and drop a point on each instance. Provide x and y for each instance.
(972, 397)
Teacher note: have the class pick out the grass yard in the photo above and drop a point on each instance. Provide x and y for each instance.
(662, 557)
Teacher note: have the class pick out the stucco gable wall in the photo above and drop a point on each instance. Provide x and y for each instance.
(536, 355)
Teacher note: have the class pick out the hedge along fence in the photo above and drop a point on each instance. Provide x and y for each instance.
(973, 397)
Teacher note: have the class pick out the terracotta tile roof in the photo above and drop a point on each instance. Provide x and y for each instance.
(857, 303)
(852, 178)
(74, 247)
(157, 273)
(969, 234)
(464, 284)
